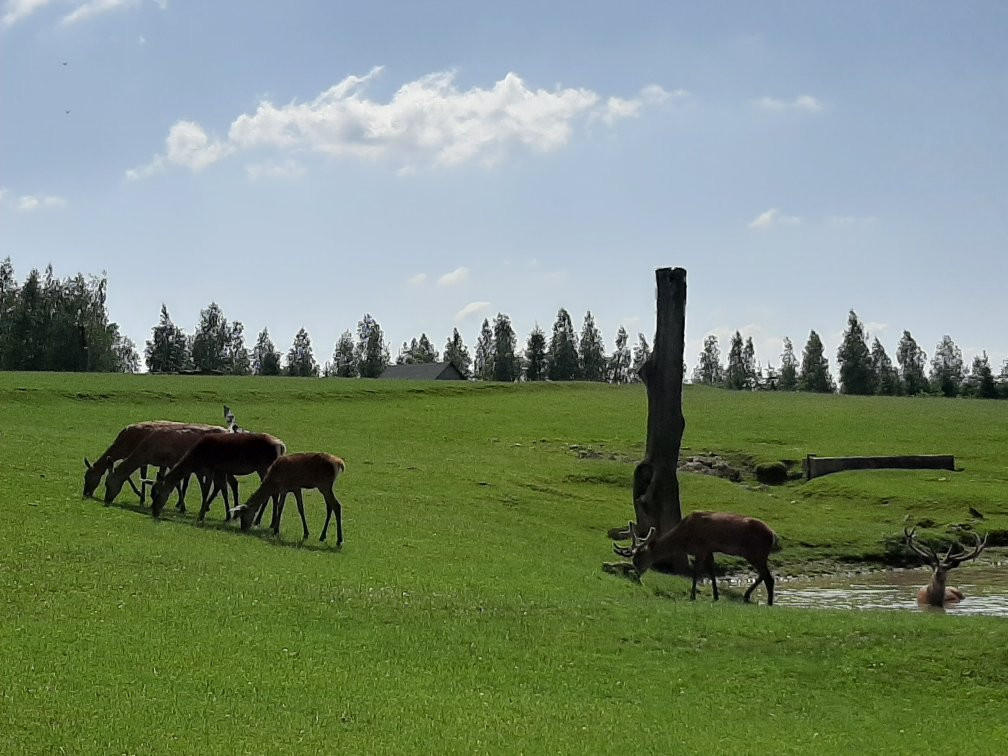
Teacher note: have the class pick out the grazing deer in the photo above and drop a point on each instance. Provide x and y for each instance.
(128, 439)
(162, 448)
(701, 535)
(291, 474)
(936, 592)
(218, 455)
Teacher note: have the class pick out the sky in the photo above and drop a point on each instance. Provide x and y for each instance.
(303, 163)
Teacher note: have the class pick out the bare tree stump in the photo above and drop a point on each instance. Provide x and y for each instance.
(655, 482)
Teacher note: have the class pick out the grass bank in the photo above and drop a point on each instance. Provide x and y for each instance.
(467, 610)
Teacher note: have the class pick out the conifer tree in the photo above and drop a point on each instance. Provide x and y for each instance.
(562, 354)
(457, 354)
(371, 351)
(300, 360)
(506, 366)
(265, 357)
(854, 358)
(212, 341)
(815, 374)
(980, 381)
(750, 368)
(535, 363)
(735, 373)
(641, 353)
(620, 360)
(344, 363)
(483, 358)
(591, 351)
(887, 382)
(168, 349)
(947, 368)
(708, 370)
(911, 360)
(788, 380)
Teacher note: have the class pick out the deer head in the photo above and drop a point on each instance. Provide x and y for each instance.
(935, 592)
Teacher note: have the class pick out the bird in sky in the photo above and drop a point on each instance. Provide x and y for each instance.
(67, 112)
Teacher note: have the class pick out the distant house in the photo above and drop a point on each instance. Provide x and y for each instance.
(423, 371)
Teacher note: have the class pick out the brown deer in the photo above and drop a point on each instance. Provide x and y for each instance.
(162, 448)
(701, 535)
(937, 593)
(291, 474)
(128, 439)
(218, 455)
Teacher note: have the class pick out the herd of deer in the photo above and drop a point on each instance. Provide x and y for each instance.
(216, 456)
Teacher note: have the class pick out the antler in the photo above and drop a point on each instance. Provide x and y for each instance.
(949, 560)
(926, 552)
(636, 543)
(954, 560)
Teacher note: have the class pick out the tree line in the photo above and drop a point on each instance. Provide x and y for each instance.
(49, 323)
(62, 325)
(217, 346)
(864, 370)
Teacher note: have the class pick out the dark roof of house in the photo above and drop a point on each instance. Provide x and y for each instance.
(424, 371)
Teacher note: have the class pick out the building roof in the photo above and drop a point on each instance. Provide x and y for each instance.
(423, 371)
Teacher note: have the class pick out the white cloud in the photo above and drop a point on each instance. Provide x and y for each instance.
(617, 108)
(416, 280)
(96, 7)
(773, 218)
(473, 308)
(187, 145)
(19, 9)
(805, 103)
(288, 169)
(426, 121)
(27, 203)
(849, 221)
(454, 277)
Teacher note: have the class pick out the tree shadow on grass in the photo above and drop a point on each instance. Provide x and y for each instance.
(188, 519)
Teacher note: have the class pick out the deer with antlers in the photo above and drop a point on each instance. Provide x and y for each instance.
(936, 592)
(701, 534)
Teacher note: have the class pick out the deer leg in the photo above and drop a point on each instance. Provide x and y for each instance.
(709, 562)
(278, 506)
(182, 487)
(697, 564)
(333, 507)
(300, 502)
(764, 577)
(210, 491)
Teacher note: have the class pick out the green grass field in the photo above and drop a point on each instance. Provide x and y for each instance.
(467, 610)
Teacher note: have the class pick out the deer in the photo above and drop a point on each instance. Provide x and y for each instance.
(162, 448)
(936, 593)
(291, 474)
(701, 535)
(218, 455)
(125, 442)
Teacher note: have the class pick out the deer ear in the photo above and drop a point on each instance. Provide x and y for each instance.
(87, 464)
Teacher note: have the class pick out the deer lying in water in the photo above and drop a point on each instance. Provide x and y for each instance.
(218, 455)
(937, 593)
(701, 535)
(291, 474)
(128, 439)
(162, 448)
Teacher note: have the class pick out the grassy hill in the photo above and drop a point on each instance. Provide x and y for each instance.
(467, 610)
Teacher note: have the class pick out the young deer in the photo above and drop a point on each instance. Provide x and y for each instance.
(936, 592)
(128, 439)
(162, 448)
(291, 474)
(218, 455)
(701, 535)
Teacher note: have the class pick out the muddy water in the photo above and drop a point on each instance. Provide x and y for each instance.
(985, 586)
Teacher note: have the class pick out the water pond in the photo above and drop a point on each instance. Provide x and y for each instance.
(985, 586)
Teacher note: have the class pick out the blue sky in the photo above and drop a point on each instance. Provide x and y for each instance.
(432, 163)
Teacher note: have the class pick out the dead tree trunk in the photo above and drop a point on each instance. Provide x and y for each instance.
(655, 482)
